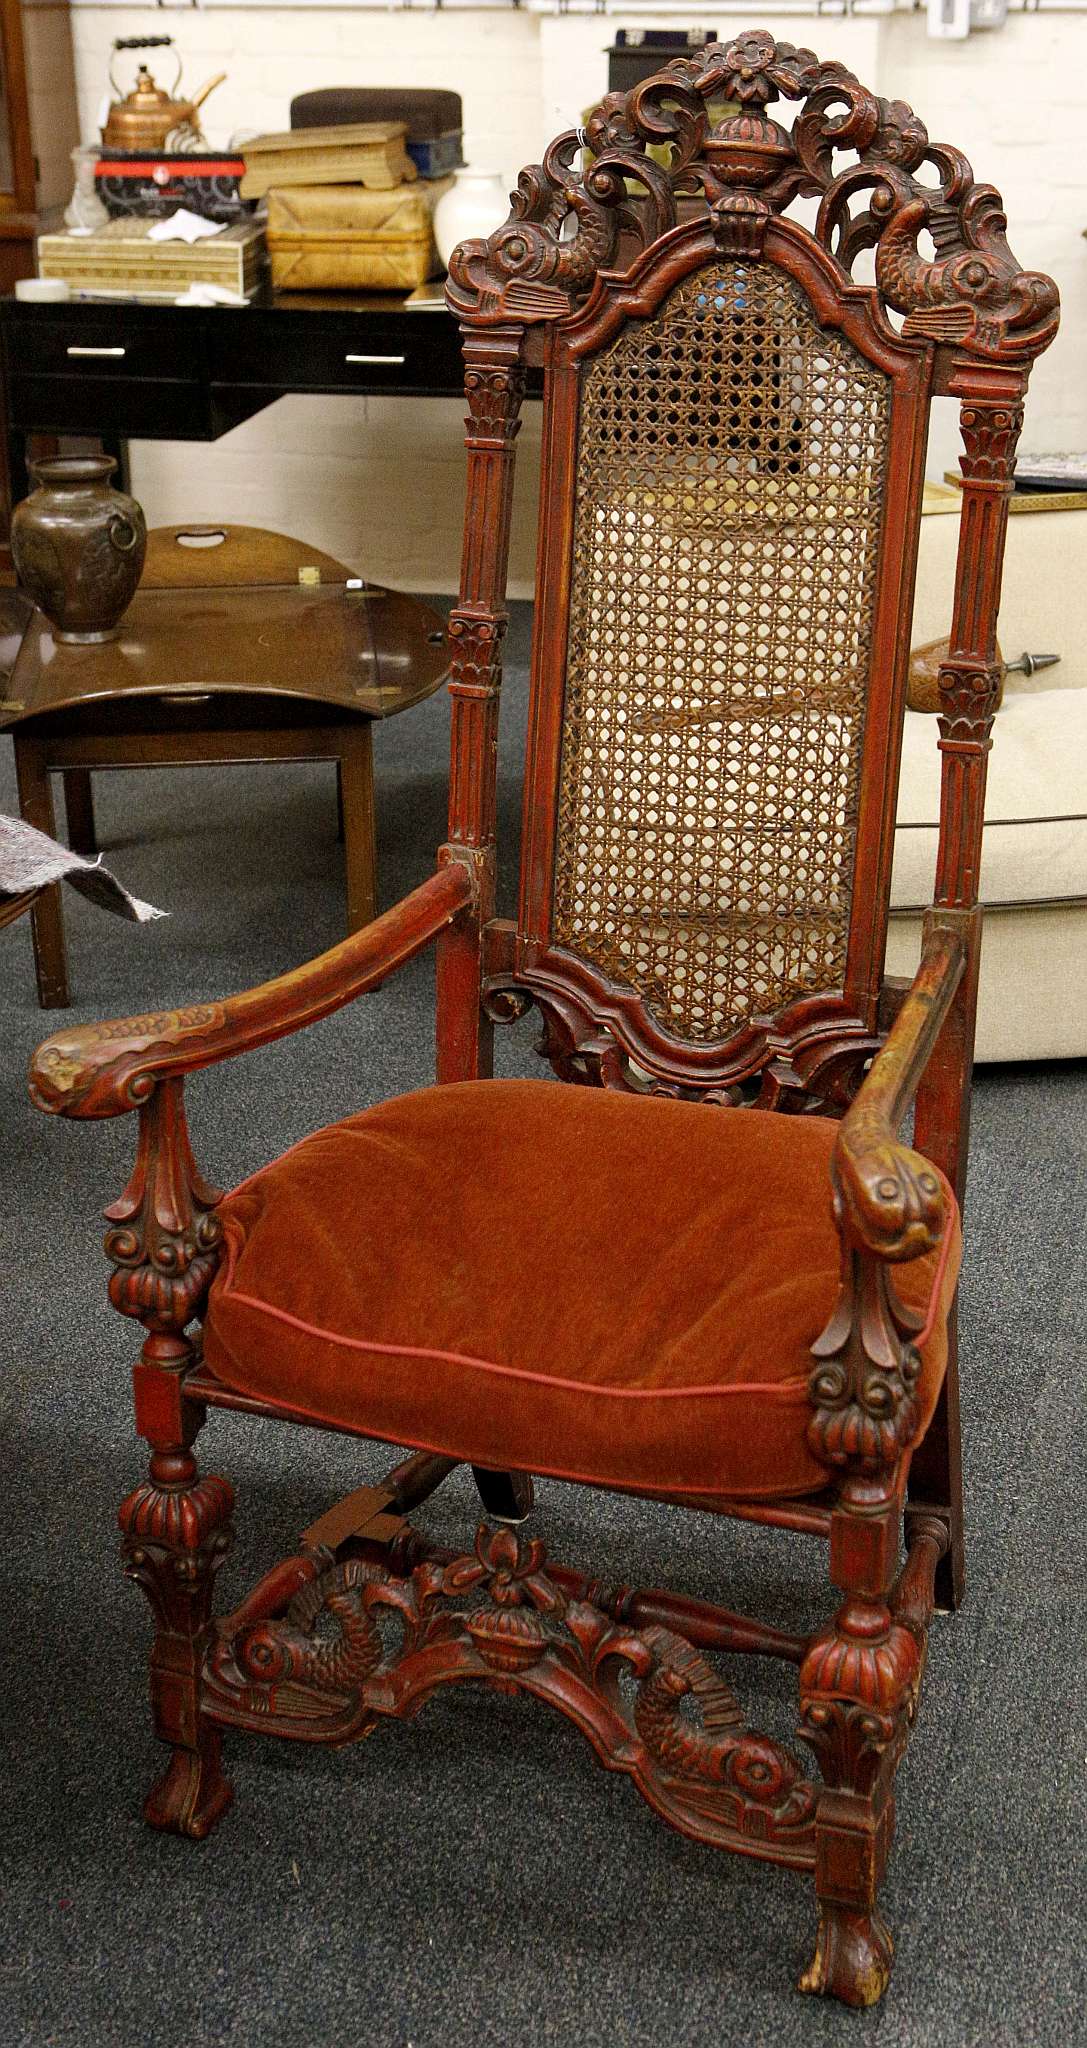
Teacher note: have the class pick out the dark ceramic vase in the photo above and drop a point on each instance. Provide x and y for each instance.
(78, 546)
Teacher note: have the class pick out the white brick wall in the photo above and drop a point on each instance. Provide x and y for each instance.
(378, 481)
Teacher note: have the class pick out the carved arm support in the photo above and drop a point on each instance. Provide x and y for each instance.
(100, 1070)
(889, 1206)
(890, 1201)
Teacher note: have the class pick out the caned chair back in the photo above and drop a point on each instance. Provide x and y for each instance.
(733, 454)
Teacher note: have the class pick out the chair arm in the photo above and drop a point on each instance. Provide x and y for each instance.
(890, 1200)
(100, 1070)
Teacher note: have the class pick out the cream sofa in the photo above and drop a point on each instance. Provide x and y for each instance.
(1032, 1001)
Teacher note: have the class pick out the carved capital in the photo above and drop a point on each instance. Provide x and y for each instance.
(990, 437)
(475, 642)
(494, 397)
(969, 695)
(164, 1237)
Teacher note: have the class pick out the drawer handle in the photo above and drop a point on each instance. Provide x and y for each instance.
(75, 351)
(374, 359)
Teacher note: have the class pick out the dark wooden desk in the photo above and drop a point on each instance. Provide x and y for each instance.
(120, 371)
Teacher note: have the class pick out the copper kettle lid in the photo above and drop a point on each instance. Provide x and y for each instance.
(146, 96)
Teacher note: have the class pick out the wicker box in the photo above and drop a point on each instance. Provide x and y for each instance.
(341, 236)
(118, 261)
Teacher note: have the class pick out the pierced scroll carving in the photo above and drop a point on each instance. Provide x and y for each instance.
(648, 1701)
(809, 1060)
(568, 220)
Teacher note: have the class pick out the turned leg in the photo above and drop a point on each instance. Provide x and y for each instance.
(859, 1686)
(856, 1686)
(176, 1530)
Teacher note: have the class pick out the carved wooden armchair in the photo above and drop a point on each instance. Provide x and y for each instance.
(710, 1273)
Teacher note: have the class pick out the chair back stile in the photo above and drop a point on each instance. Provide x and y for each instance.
(733, 449)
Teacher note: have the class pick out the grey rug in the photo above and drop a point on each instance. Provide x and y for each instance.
(474, 1878)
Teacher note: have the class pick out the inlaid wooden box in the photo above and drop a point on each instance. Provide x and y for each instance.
(118, 260)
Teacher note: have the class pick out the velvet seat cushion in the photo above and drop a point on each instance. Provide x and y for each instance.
(564, 1280)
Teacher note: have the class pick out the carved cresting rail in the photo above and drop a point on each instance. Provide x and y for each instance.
(748, 167)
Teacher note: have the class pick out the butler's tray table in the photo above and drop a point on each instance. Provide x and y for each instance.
(274, 672)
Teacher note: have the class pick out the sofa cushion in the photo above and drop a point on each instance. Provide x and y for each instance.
(563, 1280)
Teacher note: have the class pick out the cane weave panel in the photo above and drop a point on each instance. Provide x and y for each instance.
(731, 464)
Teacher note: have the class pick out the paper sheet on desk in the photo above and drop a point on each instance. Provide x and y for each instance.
(184, 226)
(210, 295)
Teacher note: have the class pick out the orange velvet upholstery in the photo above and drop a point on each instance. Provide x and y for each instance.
(559, 1279)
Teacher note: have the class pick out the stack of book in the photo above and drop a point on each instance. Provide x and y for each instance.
(346, 207)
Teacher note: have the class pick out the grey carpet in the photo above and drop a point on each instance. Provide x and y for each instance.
(474, 1878)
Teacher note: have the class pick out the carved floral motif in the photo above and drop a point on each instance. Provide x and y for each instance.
(863, 1387)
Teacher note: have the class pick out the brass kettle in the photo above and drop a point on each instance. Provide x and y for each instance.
(147, 116)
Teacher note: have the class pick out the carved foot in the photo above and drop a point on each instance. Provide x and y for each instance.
(192, 1793)
(853, 1955)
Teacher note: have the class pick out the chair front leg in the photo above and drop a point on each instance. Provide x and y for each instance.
(164, 1244)
(176, 1532)
(860, 1678)
(857, 1688)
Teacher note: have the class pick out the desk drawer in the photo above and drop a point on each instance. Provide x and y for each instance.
(154, 408)
(84, 341)
(418, 352)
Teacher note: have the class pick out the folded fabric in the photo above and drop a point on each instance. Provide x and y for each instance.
(29, 859)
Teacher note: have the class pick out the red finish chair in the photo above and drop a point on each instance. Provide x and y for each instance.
(709, 1272)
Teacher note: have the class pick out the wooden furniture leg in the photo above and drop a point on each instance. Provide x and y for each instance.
(47, 916)
(176, 1532)
(79, 806)
(859, 1685)
(357, 796)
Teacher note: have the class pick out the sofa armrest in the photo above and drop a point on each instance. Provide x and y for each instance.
(102, 1070)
